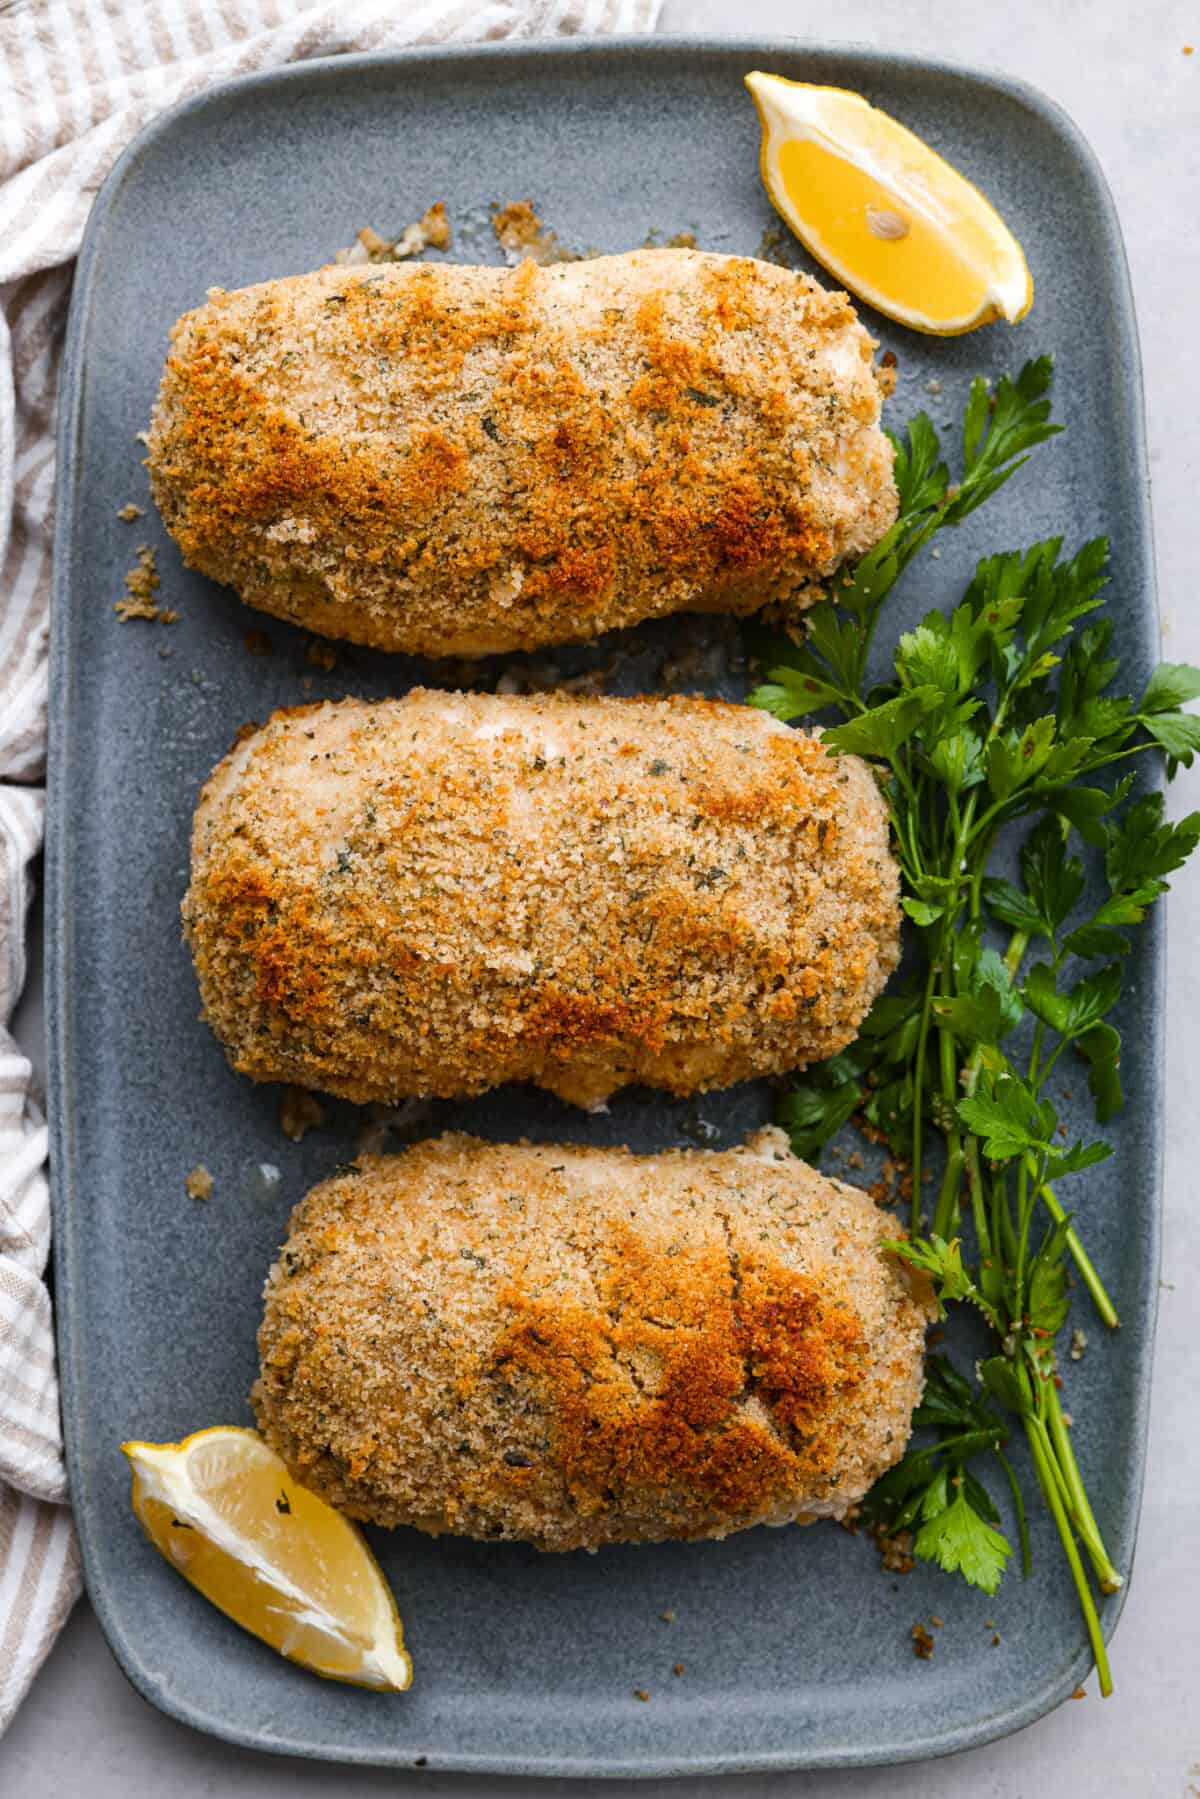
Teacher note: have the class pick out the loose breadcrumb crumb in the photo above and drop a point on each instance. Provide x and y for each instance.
(937, 1622)
(299, 1112)
(923, 1644)
(679, 240)
(677, 1669)
(668, 1617)
(430, 231)
(374, 245)
(199, 1183)
(129, 512)
(141, 585)
(641, 1693)
(1079, 1343)
(523, 237)
(895, 1549)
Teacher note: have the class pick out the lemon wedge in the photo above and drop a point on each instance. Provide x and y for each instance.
(226, 1513)
(884, 213)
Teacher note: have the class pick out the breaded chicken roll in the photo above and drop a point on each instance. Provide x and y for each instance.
(454, 460)
(579, 1346)
(440, 893)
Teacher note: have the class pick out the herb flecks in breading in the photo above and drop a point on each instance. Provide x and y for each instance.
(574, 1347)
(464, 460)
(437, 894)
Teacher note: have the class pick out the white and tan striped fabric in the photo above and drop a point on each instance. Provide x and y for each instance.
(78, 78)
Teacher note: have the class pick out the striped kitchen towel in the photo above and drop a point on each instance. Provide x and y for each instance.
(78, 78)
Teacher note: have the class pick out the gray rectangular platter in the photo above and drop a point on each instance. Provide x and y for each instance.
(796, 1646)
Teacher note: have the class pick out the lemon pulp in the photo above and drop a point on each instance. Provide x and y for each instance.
(884, 213)
(857, 232)
(223, 1510)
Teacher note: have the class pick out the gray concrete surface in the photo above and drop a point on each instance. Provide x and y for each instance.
(1126, 81)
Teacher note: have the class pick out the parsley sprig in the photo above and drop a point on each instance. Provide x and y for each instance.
(998, 716)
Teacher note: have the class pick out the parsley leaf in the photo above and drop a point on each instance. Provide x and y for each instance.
(1008, 1120)
(921, 476)
(1176, 732)
(1141, 848)
(1171, 685)
(812, 1115)
(881, 731)
(1073, 1013)
(962, 1542)
(790, 694)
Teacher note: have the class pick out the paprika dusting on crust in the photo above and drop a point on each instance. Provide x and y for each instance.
(437, 894)
(453, 460)
(579, 1346)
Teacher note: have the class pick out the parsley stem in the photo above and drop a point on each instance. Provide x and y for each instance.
(947, 1215)
(1081, 1259)
(977, 884)
(1080, 1509)
(1043, 1463)
(1052, 1058)
(974, 1172)
(1018, 943)
(1024, 1219)
(1002, 1226)
(1018, 1500)
(978, 1210)
(918, 1134)
(1014, 956)
(964, 1443)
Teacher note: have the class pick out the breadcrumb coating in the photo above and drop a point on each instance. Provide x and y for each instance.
(454, 460)
(574, 1347)
(437, 894)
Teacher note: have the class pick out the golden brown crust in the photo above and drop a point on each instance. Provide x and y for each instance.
(457, 460)
(437, 894)
(579, 1346)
